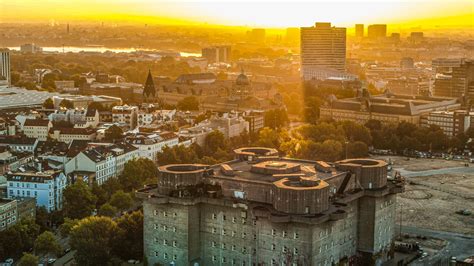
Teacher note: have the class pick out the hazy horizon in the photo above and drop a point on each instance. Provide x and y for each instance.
(404, 14)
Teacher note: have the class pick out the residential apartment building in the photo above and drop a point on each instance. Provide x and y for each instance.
(457, 83)
(99, 163)
(37, 128)
(260, 209)
(69, 134)
(149, 145)
(46, 187)
(13, 210)
(125, 115)
(19, 144)
(145, 118)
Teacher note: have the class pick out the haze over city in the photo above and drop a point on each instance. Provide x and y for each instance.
(251, 133)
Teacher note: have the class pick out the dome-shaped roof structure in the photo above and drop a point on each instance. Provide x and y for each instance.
(242, 79)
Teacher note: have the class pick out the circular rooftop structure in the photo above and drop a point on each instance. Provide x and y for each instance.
(247, 153)
(371, 173)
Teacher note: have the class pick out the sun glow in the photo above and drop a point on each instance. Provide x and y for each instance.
(262, 13)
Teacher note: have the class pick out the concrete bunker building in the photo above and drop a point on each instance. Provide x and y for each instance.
(262, 209)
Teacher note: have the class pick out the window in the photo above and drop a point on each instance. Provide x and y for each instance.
(156, 253)
(223, 246)
(214, 230)
(214, 258)
(165, 214)
(244, 235)
(296, 235)
(284, 249)
(273, 247)
(234, 220)
(175, 257)
(295, 251)
(174, 244)
(223, 232)
(284, 234)
(233, 247)
(223, 259)
(273, 232)
(213, 244)
(165, 228)
(165, 242)
(165, 256)
(214, 216)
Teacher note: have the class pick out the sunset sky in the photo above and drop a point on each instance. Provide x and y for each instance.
(245, 13)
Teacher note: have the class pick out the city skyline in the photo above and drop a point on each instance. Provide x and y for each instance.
(404, 14)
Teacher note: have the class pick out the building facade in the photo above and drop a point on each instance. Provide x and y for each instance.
(126, 115)
(452, 123)
(323, 46)
(46, 187)
(37, 128)
(260, 209)
(377, 31)
(5, 75)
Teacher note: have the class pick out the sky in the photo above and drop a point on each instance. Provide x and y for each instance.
(256, 13)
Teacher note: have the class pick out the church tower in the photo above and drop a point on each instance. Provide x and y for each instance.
(149, 89)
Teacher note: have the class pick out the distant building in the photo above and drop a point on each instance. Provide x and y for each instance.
(5, 75)
(82, 101)
(99, 164)
(446, 65)
(377, 31)
(387, 108)
(407, 63)
(14, 210)
(217, 54)
(256, 35)
(65, 86)
(256, 120)
(37, 128)
(149, 91)
(47, 187)
(451, 122)
(322, 47)
(458, 83)
(19, 144)
(262, 209)
(68, 135)
(30, 48)
(395, 37)
(416, 37)
(359, 30)
(149, 145)
(126, 115)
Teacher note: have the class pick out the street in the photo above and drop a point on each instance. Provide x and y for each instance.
(459, 245)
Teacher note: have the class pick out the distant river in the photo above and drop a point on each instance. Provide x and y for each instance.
(101, 49)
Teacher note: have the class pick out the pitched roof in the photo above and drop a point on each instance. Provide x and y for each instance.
(149, 88)
(36, 123)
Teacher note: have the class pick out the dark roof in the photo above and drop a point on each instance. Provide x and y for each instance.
(36, 123)
(91, 112)
(51, 147)
(17, 140)
(100, 153)
(35, 177)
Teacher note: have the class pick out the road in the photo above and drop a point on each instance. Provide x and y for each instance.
(459, 245)
(461, 170)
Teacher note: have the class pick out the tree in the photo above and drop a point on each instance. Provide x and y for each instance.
(100, 193)
(113, 133)
(19, 237)
(356, 132)
(28, 259)
(107, 210)
(121, 200)
(357, 149)
(214, 140)
(129, 240)
(93, 239)
(79, 202)
(330, 150)
(136, 171)
(276, 118)
(189, 103)
(42, 218)
(66, 104)
(48, 104)
(176, 154)
(47, 243)
(268, 137)
(66, 227)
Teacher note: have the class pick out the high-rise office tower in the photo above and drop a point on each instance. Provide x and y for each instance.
(322, 47)
(217, 54)
(5, 78)
(377, 31)
(458, 83)
(359, 30)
